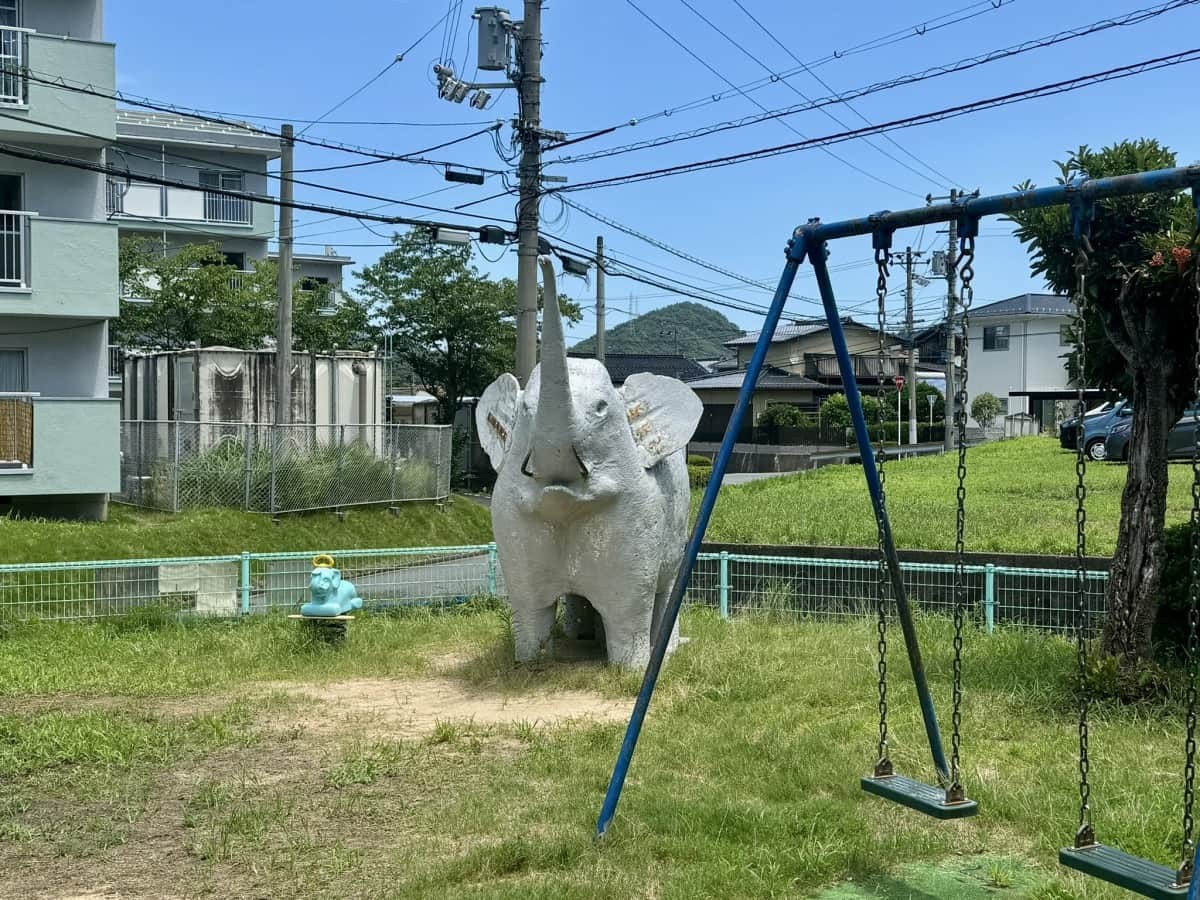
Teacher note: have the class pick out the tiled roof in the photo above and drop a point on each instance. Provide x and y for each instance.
(791, 332)
(1027, 305)
(772, 379)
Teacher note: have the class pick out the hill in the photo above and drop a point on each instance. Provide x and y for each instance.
(700, 333)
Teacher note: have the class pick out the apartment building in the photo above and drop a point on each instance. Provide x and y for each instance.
(59, 431)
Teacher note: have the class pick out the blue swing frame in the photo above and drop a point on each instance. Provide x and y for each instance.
(810, 241)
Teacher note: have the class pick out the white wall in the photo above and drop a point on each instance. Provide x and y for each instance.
(1033, 361)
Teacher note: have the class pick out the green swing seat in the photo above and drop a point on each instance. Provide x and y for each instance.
(1124, 870)
(926, 798)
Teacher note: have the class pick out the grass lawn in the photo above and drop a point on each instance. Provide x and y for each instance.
(1020, 499)
(133, 533)
(145, 759)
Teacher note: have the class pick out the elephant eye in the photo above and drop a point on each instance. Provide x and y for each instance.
(601, 407)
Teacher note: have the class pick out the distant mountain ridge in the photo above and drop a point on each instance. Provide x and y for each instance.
(696, 330)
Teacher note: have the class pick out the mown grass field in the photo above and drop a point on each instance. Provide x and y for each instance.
(1020, 499)
(133, 533)
(144, 758)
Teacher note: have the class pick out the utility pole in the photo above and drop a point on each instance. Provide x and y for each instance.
(529, 123)
(283, 336)
(600, 298)
(912, 346)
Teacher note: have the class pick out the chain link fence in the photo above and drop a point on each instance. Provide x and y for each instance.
(281, 468)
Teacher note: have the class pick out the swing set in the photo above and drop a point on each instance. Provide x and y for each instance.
(947, 797)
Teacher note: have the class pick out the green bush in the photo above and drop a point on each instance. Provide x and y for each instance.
(835, 412)
(695, 459)
(784, 415)
(699, 475)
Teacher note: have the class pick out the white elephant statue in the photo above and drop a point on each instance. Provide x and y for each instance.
(591, 495)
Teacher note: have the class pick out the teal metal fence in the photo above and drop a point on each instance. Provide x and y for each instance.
(734, 584)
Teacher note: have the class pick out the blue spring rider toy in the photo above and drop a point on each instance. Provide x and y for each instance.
(331, 596)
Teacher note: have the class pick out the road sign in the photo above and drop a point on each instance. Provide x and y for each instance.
(899, 382)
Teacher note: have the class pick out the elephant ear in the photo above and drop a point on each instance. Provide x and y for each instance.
(663, 415)
(496, 417)
(335, 576)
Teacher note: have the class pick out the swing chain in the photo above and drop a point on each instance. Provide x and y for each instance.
(1086, 835)
(955, 792)
(883, 764)
(1184, 873)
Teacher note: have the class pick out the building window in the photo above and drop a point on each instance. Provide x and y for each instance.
(227, 181)
(1003, 405)
(995, 337)
(237, 260)
(1064, 335)
(10, 13)
(223, 207)
(12, 371)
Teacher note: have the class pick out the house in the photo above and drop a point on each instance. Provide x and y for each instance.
(621, 365)
(807, 349)
(1017, 350)
(59, 430)
(719, 394)
(212, 157)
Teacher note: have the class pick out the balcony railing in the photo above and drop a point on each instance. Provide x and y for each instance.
(114, 362)
(824, 366)
(14, 51)
(14, 248)
(152, 201)
(16, 431)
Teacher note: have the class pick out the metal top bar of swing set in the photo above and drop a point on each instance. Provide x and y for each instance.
(1080, 194)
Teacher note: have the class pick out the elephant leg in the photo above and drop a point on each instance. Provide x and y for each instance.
(532, 627)
(627, 636)
(579, 619)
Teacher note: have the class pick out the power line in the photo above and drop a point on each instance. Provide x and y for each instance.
(951, 112)
(795, 90)
(60, 83)
(100, 168)
(962, 65)
(825, 84)
(208, 164)
(370, 81)
(786, 125)
(916, 30)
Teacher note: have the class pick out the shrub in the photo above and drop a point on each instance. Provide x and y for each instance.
(835, 411)
(699, 475)
(784, 415)
(984, 409)
(695, 459)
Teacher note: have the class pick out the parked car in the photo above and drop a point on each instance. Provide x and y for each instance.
(1180, 438)
(1096, 425)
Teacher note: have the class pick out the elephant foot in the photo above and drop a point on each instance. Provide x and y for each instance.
(628, 644)
(532, 629)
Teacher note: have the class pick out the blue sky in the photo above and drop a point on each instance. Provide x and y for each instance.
(605, 64)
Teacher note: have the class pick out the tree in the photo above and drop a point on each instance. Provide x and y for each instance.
(454, 327)
(835, 411)
(984, 409)
(192, 295)
(924, 392)
(1139, 322)
(322, 320)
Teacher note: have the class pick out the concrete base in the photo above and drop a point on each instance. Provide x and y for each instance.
(76, 507)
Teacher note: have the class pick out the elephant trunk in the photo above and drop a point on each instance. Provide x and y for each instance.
(552, 458)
